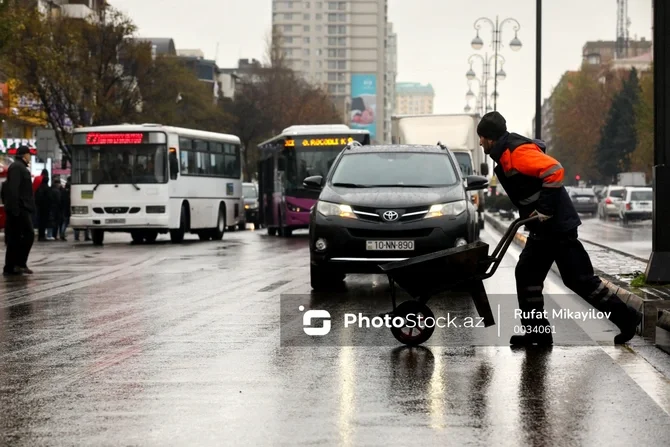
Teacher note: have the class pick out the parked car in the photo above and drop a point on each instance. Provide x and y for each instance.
(609, 206)
(584, 200)
(250, 192)
(384, 203)
(637, 204)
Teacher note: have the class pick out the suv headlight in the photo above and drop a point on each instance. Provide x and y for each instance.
(335, 209)
(447, 209)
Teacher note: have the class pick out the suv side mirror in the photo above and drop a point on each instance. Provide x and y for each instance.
(484, 169)
(313, 182)
(475, 182)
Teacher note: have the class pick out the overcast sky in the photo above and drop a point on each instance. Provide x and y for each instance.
(433, 39)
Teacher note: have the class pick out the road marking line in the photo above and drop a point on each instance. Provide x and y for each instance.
(652, 381)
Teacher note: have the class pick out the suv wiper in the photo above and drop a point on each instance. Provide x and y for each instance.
(351, 185)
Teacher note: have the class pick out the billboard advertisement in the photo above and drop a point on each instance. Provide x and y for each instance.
(364, 103)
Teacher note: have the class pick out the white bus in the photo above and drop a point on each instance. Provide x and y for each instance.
(149, 179)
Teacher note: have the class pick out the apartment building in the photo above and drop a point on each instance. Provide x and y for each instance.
(390, 80)
(340, 45)
(413, 98)
(79, 9)
(603, 52)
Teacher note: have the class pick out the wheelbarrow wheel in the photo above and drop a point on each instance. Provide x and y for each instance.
(415, 331)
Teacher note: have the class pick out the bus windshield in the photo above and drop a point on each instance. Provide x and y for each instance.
(312, 155)
(119, 164)
(465, 162)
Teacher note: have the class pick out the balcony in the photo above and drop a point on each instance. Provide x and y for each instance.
(78, 12)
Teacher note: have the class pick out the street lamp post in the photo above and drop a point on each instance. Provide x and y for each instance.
(486, 77)
(496, 38)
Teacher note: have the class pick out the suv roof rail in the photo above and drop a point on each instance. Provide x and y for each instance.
(354, 144)
(442, 146)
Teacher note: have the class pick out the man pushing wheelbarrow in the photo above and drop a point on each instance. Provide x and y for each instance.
(534, 182)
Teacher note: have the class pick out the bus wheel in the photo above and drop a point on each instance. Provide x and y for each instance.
(272, 231)
(217, 233)
(177, 236)
(98, 237)
(151, 236)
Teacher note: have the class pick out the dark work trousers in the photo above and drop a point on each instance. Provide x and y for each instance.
(42, 222)
(20, 235)
(574, 265)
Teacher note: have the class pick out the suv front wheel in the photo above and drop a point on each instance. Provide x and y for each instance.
(323, 278)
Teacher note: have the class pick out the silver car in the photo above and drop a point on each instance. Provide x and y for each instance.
(609, 205)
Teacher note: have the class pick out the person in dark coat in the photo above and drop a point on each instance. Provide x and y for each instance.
(17, 196)
(55, 211)
(65, 207)
(43, 202)
(534, 182)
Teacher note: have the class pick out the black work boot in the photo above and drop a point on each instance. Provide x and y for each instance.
(625, 317)
(537, 332)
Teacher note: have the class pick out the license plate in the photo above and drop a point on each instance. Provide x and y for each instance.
(390, 245)
(115, 221)
(582, 199)
(87, 194)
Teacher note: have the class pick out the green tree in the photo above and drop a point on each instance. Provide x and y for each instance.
(75, 67)
(642, 159)
(619, 138)
(580, 103)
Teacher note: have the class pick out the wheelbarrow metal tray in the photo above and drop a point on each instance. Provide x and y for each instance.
(432, 273)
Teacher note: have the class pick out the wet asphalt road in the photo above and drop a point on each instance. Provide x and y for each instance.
(181, 345)
(633, 238)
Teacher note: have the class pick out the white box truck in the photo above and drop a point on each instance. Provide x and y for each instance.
(631, 179)
(458, 132)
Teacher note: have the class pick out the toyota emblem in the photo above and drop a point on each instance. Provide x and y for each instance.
(390, 216)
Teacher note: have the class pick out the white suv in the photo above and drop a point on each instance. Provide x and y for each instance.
(609, 206)
(637, 204)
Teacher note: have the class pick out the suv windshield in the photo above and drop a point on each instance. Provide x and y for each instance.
(395, 169)
(641, 196)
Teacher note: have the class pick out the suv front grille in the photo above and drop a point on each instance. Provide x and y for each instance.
(406, 215)
(390, 234)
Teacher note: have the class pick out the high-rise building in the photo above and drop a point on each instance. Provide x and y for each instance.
(390, 80)
(340, 45)
(413, 98)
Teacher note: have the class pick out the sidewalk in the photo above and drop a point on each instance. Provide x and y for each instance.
(617, 269)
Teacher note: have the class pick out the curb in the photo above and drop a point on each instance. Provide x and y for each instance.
(663, 331)
(652, 309)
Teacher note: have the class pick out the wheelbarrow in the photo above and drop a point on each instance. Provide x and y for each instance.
(425, 276)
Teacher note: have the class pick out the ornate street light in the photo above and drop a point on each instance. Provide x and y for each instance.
(515, 44)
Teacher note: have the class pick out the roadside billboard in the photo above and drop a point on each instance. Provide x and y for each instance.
(363, 113)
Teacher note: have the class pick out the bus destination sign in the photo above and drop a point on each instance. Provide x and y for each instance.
(315, 142)
(114, 138)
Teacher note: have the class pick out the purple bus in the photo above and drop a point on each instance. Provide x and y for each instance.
(286, 160)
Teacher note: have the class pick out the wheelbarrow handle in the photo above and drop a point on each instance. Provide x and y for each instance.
(506, 240)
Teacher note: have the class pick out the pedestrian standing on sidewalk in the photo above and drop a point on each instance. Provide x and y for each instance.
(55, 212)
(17, 196)
(534, 182)
(43, 201)
(65, 208)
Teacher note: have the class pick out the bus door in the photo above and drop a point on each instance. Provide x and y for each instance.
(266, 183)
